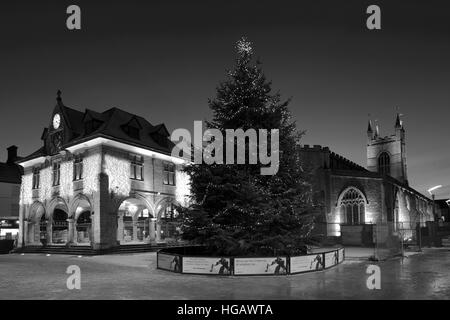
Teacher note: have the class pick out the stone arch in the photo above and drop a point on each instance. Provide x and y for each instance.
(81, 219)
(78, 199)
(137, 196)
(167, 228)
(135, 220)
(352, 205)
(59, 229)
(36, 210)
(34, 226)
(352, 187)
(162, 204)
(57, 203)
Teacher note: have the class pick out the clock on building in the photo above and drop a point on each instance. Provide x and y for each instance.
(56, 121)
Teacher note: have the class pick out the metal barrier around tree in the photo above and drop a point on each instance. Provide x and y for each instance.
(174, 260)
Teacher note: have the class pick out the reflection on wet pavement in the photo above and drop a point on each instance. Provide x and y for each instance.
(421, 276)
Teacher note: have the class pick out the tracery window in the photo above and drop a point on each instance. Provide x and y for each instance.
(353, 207)
(384, 164)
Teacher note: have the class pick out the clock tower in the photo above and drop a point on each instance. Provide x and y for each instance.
(54, 136)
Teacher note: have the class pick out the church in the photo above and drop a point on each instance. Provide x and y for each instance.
(353, 199)
(100, 180)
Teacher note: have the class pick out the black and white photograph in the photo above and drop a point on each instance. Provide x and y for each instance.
(196, 151)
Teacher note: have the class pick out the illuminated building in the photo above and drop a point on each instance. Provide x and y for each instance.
(352, 199)
(10, 179)
(100, 180)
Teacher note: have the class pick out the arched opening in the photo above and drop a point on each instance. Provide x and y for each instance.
(60, 226)
(37, 212)
(83, 227)
(135, 222)
(42, 233)
(384, 164)
(143, 225)
(169, 222)
(83, 221)
(352, 206)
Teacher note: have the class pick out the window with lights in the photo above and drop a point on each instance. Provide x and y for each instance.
(169, 174)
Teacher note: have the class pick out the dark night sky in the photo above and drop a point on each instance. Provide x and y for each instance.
(163, 59)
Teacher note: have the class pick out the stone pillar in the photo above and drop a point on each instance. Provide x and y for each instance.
(158, 232)
(135, 230)
(49, 232)
(22, 222)
(152, 230)
(120, 227)
(25, 231)
(71, 230)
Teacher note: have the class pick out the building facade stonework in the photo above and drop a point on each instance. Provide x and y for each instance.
(353, 199)
(101, 180)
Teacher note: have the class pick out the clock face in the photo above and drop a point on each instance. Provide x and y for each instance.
(56, 121)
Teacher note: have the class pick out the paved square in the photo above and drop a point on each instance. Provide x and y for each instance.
(421, 276)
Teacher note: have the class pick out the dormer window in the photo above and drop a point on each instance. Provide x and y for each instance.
(133, 132)
(132, 128)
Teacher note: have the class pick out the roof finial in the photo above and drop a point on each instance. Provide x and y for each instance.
(398, 122)
(369, 126)
(58, 96)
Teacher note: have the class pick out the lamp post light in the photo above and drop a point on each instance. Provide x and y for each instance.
(433, 196)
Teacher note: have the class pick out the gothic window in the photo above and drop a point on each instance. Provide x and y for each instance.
(137, 167)
(56, 173)
(78, 168)
(353, 207)
(169, 174)
(36, 178)
(384, 164)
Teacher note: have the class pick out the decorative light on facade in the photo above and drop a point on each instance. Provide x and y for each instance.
(91, 171)
(66, 180)
(118, 171)
(26, 195)
(46, 184)
(183, 188)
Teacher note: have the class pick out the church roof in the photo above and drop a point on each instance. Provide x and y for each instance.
(113, 123)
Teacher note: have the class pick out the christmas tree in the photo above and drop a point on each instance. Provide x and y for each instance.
(235, 210)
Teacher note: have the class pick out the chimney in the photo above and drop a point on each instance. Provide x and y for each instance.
(12, 154)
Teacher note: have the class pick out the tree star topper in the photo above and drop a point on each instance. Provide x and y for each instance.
(244, 46)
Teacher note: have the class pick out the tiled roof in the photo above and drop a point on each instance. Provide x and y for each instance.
(111, 123)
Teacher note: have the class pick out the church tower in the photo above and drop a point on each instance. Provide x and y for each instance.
(387, 155)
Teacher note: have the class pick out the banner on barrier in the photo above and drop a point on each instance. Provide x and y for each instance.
(260, 266)
(307, 263)
(169, 262)
(201, 265)
(331, 258)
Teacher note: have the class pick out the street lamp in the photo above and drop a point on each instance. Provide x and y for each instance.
(430, 191)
